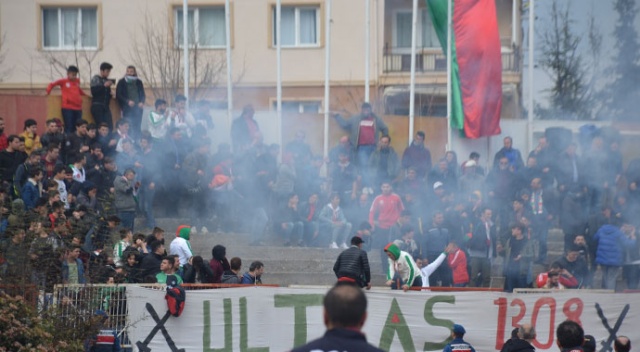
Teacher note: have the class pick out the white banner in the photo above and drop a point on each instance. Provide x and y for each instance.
(263, 319)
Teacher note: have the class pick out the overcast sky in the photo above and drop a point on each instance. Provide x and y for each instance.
(581, 10)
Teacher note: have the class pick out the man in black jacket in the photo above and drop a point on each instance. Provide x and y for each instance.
(345, 311)
(130, 96)
(151, 262)
(101, 95)
(526, 334)
(352, 264)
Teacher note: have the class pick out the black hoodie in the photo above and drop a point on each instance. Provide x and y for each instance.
(518, 345)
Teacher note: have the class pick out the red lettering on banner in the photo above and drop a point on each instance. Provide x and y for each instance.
(502, 317)
(573, 314)
(523, 310)
(545, 301)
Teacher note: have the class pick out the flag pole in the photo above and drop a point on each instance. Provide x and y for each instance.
(227, 17)
(449, 83)
(367, 50)
(279, 72)
(185, 50)
(412, 84)
(327, 64)
(532, 19)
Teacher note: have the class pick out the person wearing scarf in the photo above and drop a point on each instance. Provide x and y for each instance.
(130, 96)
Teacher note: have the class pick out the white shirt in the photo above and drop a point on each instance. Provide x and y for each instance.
(180, 247)
(429, 269)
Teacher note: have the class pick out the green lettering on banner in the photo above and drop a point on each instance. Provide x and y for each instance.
(433, 321)
(299, 304)
(244, 335)
(395, 323)
(206, 337)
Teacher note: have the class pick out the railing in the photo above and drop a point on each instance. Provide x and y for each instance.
(435, 62)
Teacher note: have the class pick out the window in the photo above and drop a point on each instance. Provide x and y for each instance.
(427, 37)
(300, 26)
(70, 28)
(300, 107)
(206, 26)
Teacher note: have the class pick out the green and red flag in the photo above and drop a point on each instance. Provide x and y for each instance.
(476, 64)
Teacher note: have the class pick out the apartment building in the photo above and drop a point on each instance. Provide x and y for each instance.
(41, 37)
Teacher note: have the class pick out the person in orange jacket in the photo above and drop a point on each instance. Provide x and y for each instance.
(71, 98)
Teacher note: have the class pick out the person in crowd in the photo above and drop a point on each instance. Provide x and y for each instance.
(15, 260)
(344, 147)
(233, 275)
(403, 272)
(514, 158)
(168, 268)
(196, 271)
(519, 254)
(131, 97)
(11, 158)
(345, 312)
(444, 175)
(244, 129)
(77, 142)
(475, 156)
(417, 156)
(126, 238)
(4, 143)
(576, 265)
(254, 275)
(31, 190)
(178, 117)
(622, 344)
(384, 163)
(181, 246)
(405, 239)
(30, 135)
(569, 336)
(384, 213)
(71, 97)
(457, 260)
(101, 95)
(309, 211)
(150, 265)
(332, 219)
(352, 265)
(427, 269)
(556, 277)
(290, 222)
(73, 268)
(157, 124)
(458, 343)
(482, 247)
(194, 167)
(435, 239)
(611, 241)
(364, 130)
(218, 263)
(345, 178)
(126, 189)
(203, 116)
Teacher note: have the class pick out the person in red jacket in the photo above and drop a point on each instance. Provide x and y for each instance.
(71, 98)
(384, 213)
(457, 260)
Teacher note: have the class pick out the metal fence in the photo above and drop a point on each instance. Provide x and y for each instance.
(436, 62)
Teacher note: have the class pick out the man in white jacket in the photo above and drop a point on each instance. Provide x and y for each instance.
(427, 270)
(403, 271)
(180, 245)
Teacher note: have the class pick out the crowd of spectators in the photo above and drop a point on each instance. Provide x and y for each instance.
(73, 193)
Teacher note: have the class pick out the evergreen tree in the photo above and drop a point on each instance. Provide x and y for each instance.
(624, 90)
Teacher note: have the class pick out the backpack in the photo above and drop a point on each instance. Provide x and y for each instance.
(175, 296)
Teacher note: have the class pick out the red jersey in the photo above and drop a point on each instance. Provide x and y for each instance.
(386, 210)
(458, 262)
(4, 142)
(71, 93)
(367, 135)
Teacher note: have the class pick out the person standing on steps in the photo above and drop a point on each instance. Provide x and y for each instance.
(352, 264)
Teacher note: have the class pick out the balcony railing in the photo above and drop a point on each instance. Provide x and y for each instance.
(436, 62)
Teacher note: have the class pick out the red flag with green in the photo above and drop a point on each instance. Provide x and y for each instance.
(476, 64)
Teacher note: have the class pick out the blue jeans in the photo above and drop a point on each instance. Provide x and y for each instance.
(146, 197)
(70, 117)
(363, 154)
(127, 218)
(609, 276)
(292, 231)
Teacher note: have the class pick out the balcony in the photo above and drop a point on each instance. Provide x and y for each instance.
(394, 62)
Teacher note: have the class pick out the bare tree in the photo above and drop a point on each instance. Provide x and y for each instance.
(159, 61)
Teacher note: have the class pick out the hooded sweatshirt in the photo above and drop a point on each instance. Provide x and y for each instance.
(180, 246)
(403, 265)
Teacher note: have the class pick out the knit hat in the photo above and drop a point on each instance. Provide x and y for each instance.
(589, 343)
(183, 231)
(393, 249)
